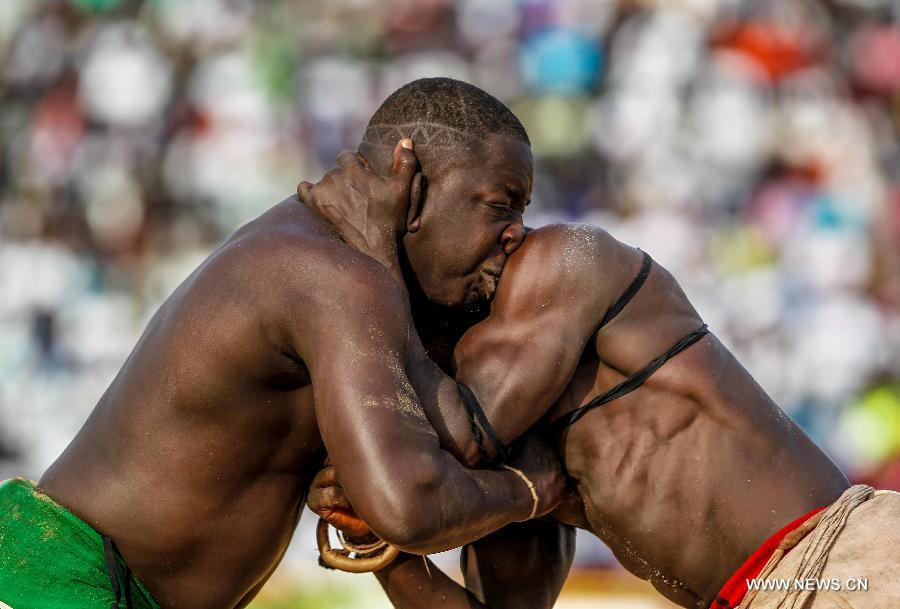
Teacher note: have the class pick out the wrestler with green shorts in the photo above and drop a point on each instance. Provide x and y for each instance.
(49, 557)
(284, 344)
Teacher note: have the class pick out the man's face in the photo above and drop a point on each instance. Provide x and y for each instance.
(471, 221)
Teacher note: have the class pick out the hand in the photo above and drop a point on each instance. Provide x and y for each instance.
(328, 501)
(369, 212)
(537, 461)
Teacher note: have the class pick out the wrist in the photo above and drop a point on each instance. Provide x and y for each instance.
(385, 252)
(524, 492)
(404, 564)
(532, 490)
(382, 248)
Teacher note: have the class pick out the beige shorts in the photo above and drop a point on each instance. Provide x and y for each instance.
(851, 560)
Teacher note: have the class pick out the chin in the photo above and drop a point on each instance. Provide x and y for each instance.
(460, 295)
(469, 302)
(477, 297)
(466, 302)
(443, 299)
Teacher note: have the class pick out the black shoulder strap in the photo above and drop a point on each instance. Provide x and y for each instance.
(629, 293)
(478, 418)
(631, 383)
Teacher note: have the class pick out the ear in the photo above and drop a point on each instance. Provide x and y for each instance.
(417, 193)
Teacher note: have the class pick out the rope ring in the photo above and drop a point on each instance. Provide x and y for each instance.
(340, 558)
(361, 549)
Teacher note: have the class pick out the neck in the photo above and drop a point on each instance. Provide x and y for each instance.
(439, 326)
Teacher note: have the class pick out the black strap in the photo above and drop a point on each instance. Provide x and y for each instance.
(128, 601)
(631, 383)
(112, 568)
(122, 589)
(629, 293)
(477, 417)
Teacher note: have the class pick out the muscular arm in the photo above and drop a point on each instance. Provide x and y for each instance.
(353, 337)
(519, 360)
(414, 582)
(547, 305)
(522, 566)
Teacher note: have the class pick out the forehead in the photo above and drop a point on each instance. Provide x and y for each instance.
(500, 160)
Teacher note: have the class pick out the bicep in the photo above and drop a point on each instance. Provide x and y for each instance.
(518, 369)
(547, 307)
(368, 414)
(520, 566)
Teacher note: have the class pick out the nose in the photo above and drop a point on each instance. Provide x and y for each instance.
(513, 236)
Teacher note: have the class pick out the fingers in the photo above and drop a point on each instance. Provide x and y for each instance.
(350, 159)
(328, 501)
(325, 477)
(347, 157)
(416, 196)
(304, 191)
(405, 162)
(326, 493)
(349, 524)
(416, 188)
(333, 498)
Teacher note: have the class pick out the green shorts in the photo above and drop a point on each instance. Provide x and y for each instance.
(51, 559)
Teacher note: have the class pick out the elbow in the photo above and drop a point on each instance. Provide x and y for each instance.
(408, 513)
(413, 535)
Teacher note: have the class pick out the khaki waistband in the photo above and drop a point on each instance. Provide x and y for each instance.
(825, 525)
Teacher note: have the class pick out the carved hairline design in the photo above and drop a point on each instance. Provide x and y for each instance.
(421, 132)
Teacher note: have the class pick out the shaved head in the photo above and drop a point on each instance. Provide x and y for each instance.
(445, 118)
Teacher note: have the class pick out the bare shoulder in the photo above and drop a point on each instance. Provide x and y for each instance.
(566, 248)
(564, 260)
(290, 251)
(289, 269)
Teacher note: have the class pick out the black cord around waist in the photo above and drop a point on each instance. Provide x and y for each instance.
(629, 384)
(121, 589)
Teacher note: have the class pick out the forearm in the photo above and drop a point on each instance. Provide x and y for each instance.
(384, 250)
(410, 584)
(413, 493)
(441, 402)
(453, 507)
(521, 566)
(437, 392)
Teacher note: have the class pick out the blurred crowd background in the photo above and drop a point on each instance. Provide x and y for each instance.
(752, 147)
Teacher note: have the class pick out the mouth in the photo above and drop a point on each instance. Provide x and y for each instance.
(490, 280)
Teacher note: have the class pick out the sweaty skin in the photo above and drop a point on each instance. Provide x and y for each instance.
(683, 478)
(283, 344)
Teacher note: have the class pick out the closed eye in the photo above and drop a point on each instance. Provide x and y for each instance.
(510, 206)
(506, 198)
(502, 209)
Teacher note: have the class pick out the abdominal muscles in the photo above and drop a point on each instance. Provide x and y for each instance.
(680, 478)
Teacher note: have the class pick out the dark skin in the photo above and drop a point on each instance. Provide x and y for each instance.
(284, 344)
(683, 478)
